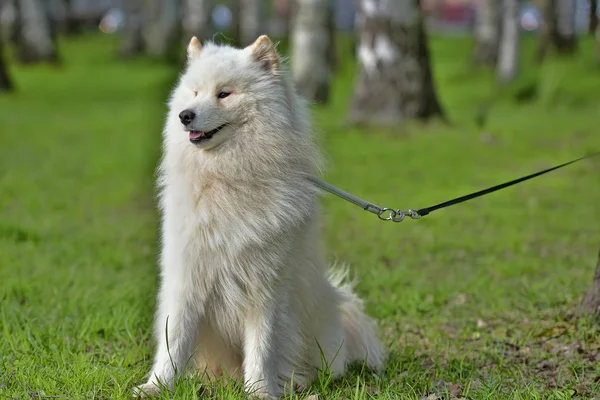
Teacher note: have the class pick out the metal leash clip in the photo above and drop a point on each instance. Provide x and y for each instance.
(389, 214)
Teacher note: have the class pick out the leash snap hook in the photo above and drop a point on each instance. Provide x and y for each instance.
(388, 214)
(399, 217)
(413, 214)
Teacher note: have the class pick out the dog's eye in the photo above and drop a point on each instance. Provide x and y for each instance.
(222, 95)
(195, 93)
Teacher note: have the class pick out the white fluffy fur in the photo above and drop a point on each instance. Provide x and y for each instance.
(243, 281)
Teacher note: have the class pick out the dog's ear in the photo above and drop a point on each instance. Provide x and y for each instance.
(194, 48)
(264, 52)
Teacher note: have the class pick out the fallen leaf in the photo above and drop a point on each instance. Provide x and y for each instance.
(481, 324)
(455, 389)
(544, 365)
(402, 375)
(551, 332)
(461, 299)
(486, 137)
(372, 389)
(476, 385)
(386, 261)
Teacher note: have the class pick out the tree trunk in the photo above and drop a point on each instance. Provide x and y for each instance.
(312, 49)
(5, 82)
(508, 61)
(598, 42)
(8, 15)
(548, 26)
(58, 11)
(395, 80)
(236, 34)
(250, 21)
(487, 30)
(132, 42)
(332, 33)
(591, 302)
(593, 17)
(35, 32)
(74, 25)
(197, 19)
(566, 36)
(558, 27)
(282, 18)
(160, 29)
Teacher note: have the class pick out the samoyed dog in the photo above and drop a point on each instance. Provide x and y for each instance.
(245, 291)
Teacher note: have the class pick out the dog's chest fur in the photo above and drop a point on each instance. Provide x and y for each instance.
(236, 236)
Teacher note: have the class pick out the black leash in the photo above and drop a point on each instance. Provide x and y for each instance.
(397, 215)
(424, 211)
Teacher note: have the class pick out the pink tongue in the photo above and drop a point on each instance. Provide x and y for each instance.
(196, 134)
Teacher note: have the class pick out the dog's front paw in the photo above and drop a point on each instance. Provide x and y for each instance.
(147, 389)
(262, 396)
(260, 393)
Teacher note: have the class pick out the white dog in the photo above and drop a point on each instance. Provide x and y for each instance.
(244, 287)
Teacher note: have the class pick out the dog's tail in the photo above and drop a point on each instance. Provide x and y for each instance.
(361, 339)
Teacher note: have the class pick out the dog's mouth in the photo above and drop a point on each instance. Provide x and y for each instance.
(201, 136)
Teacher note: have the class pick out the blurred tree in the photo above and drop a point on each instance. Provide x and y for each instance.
(593, 21)
(5, 82)
(132, 42)
(548, 25)
(58, 12)
(331, 31)
(160, 28)
(591, 302)
(249, 17)
(558, 27)
(76, 21)
(508, 58)
(197, 19)
(565, 39)
(487, 30)
(598, 41)
(312, 48)
(282, 17)
(7, 20)
(395, 80)
(35, 32)
(234, 6)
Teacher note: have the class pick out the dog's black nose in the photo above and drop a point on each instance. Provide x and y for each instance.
(186, 116)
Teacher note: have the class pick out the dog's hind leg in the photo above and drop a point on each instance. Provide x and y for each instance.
(360, 331)
(329, 352)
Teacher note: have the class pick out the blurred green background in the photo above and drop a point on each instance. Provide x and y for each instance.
(475, 301)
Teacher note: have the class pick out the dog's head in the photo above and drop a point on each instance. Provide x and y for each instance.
(224, 88)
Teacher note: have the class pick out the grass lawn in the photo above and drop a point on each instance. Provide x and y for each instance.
(475, 301)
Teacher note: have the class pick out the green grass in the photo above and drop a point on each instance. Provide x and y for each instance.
(474, 301)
